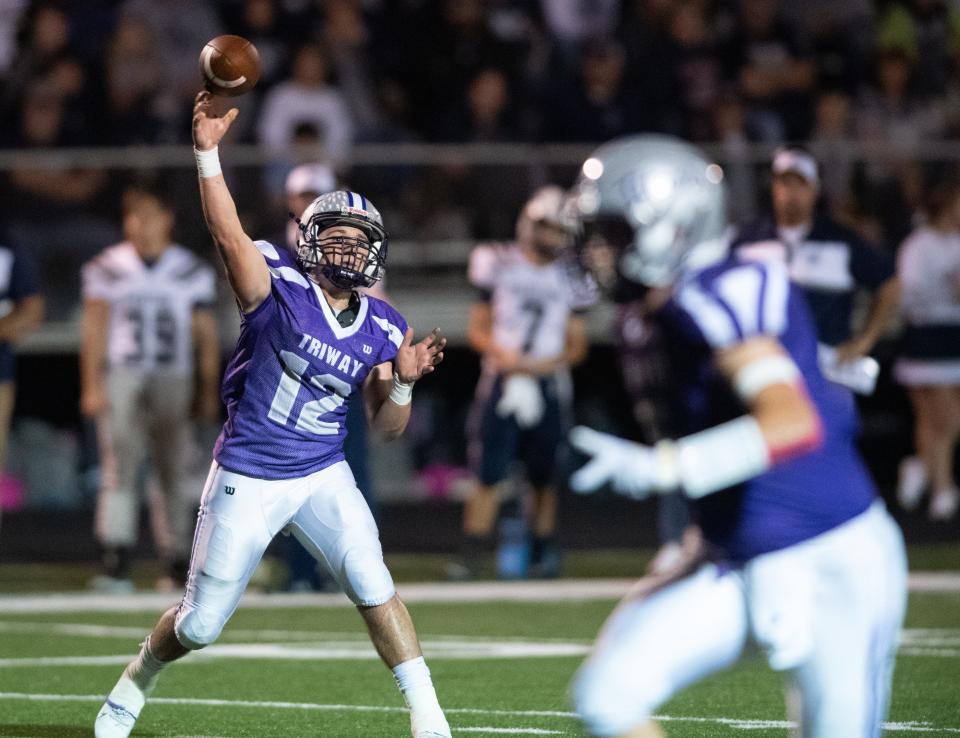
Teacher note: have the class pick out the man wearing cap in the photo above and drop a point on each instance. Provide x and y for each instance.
(830, 262)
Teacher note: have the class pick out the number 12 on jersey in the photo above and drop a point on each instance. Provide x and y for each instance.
(312, 413)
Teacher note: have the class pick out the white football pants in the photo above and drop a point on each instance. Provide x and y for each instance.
(827, 612)
(240, 515)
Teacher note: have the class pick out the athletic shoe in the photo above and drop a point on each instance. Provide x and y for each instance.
(911, 483)
(110, 585)
(120, 712)
(944, 504)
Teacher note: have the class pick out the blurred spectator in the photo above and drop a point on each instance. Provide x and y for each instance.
(928, 31)
(894, 119)
(21, 310)
(698, 67)
(180, 29)
(54, 212)
(483, 114)
(44, 36)
(454, 40)
(830, 141)
(147, 331)
(774, 71)
(10, 13)
(828, 261)
(929, 365)
(307, 97)
(598, 106)
(347, 42)
(570, 23)
(730, 128)
(133, 70)
(268, 26)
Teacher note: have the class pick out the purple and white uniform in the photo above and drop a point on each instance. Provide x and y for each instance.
(293, 372)
(811, 567)
(279, 462)
(725, 305)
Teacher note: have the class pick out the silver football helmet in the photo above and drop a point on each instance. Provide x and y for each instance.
(546, 207)
(346, 262)
(649, 207)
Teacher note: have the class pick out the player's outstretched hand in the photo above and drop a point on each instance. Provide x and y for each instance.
(208, 127)
(629, 468)
(415, 360)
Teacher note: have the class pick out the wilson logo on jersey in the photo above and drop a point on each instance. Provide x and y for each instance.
(367, 349)
(229, 490)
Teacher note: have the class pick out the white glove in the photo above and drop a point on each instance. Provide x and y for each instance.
(521, 398)
(629, 468)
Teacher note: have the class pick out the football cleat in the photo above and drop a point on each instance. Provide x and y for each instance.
(120, 711)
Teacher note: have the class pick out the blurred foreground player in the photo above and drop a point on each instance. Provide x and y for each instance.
(801, 558)
(310, 342)
(527, 329)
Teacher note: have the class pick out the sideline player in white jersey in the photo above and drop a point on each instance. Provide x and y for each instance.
(528, 329)
(310, 342)
(147, 322)
(801, 558)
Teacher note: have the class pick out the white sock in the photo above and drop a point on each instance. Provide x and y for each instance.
(413, 679)
(145, 669)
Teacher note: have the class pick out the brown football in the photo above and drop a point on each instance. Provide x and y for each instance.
(229, 65)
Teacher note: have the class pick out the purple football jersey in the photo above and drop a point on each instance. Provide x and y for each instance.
(293, 372)
(800, 498)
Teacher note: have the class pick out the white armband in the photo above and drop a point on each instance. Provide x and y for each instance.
(208, 162)
(714, 459)
(761, 373)
(402, 392)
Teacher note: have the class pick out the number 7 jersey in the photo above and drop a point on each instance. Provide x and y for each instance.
(293, 372)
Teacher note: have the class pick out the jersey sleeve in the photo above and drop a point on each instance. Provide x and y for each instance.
(394, 328)
(98, 280)
(738, 303)
(24, 281)
(483, 267)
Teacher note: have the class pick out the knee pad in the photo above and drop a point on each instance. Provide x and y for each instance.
(365, 578)
(196, 628)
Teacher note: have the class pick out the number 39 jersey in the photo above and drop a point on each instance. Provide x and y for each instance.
(151, 306)
(531, 303)
(293, 372)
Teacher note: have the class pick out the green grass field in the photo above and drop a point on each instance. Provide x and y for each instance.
(501, 668)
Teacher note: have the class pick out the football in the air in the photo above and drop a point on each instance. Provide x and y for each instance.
(229, 65)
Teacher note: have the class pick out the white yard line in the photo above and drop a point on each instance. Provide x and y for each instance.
(441, 592)
(740, 723)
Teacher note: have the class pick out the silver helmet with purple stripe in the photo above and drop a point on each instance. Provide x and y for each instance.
(649, 207)
(327, 245)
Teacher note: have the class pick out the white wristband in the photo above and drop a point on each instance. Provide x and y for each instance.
(716, 458)
(402, 393)
(208, 162)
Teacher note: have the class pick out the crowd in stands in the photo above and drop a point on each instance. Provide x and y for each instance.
(345, 72)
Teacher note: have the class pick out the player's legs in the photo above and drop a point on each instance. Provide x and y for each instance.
(173, 508)
(121, 437)
(936, 409)
(234, 528)
(334, 523)
(860, 600)
(493, 445)
(541, 447)
(652, 647)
